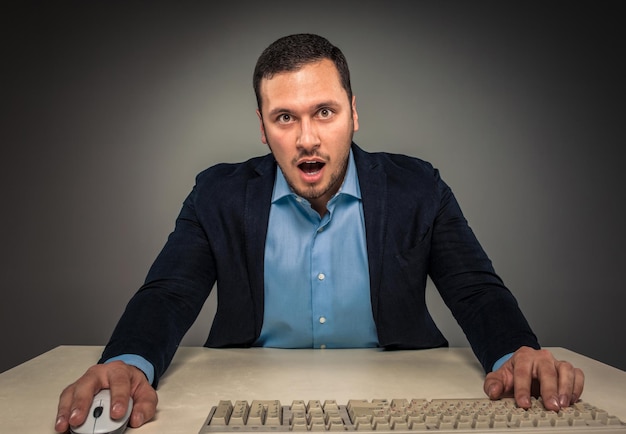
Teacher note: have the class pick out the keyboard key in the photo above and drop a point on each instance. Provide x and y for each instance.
(239, 414)
(222, 413)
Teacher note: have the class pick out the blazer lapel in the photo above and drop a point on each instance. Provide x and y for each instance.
(373, 183)
(257, 210)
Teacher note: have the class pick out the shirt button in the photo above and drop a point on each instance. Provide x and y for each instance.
(321, 276)
(322, 347)
(322, 319)
(320, 230)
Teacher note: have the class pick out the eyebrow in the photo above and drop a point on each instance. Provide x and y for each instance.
(318, 106)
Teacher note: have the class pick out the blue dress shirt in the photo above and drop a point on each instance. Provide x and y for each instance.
(317, 290)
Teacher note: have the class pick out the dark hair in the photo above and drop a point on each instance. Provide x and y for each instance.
(290, 53)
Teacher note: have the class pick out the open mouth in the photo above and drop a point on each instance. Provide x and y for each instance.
(311, 167)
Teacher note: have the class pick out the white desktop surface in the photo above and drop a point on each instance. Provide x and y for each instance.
(199, 377)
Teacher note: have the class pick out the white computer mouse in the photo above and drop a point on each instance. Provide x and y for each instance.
(99, 421)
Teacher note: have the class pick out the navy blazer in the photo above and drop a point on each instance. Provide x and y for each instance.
(414, 229)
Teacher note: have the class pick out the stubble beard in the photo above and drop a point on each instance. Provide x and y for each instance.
(314, 192)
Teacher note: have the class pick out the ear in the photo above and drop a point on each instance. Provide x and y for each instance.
(263, 138)
(355, 115)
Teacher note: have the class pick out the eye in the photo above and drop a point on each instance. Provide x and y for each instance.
(325, 113)
(284, 118)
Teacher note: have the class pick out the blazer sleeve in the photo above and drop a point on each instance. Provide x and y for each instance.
(485, 309)
(177, 285)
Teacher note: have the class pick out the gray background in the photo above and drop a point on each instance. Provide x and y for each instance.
(110, 109)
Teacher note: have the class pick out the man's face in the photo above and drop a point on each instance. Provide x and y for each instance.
(308, 122)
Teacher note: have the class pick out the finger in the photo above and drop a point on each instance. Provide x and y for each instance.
(126, 381)
(119, 377)
(81, 401)
(499, 384)
(579, 384)
(75, 401)
(522, 381)
(494, 385)
(145, 404)
(64, 408)
(548, 378)
(566, 376)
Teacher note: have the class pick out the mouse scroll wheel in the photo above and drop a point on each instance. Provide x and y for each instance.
(97, 412)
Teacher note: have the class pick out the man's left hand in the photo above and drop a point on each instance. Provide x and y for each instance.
(531, 372)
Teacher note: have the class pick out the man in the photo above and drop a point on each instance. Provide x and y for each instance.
(318, 245)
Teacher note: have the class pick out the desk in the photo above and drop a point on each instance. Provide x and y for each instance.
(199, 377)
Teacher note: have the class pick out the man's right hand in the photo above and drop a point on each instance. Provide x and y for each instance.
(123, 380)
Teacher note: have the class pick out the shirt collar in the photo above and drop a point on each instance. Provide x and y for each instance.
(350, 185)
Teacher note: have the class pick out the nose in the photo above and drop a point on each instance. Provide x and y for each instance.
(308, 139)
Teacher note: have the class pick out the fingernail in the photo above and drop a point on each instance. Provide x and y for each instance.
(574, 398)
(74, 413)
(524, 402)
(117, 409)
(492, 391)
(60, 420)
(554, 402)
(564, 401)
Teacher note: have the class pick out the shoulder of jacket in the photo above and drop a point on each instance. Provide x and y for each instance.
(245, 170)
(395, 164)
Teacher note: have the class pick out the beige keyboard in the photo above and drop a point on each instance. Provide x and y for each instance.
(410, 416)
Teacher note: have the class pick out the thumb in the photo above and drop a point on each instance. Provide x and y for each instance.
(494, 386)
